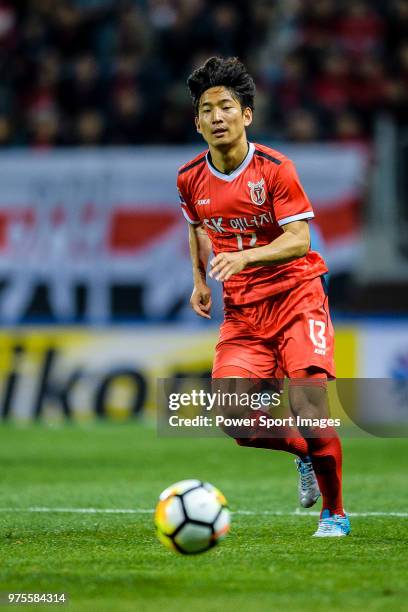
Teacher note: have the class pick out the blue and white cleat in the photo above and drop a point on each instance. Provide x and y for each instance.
(308, 487)
(332, 526)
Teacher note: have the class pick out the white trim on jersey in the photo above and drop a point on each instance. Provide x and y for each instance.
(299, 217)
(230, 177)
(188, 218)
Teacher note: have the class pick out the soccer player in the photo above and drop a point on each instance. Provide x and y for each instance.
(244, 202)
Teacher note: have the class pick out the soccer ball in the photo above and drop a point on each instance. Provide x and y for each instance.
(191, 517)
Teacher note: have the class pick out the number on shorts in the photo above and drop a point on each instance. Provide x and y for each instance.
(317, 331)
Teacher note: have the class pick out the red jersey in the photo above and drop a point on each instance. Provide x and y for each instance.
(247, 208)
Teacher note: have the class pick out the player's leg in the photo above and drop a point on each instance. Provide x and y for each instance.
(285, 437)
(240, 354)
(308, 398)
(306, 350)
(308, 394)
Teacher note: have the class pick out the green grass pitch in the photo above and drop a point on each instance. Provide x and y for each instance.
(114, 561)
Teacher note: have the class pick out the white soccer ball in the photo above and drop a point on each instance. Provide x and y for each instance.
(191, 517)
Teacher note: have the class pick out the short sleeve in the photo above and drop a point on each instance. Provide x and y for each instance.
(290, 202)
(186, 205)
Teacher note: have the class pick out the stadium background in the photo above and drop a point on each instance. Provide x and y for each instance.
(95, 120)
(95, 281)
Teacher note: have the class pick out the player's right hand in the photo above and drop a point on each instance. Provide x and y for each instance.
(201, 301)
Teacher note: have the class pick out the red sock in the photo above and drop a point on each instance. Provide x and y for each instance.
(285, 438)
(326, 457)
(325, 453)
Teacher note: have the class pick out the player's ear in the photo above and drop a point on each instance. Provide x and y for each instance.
(247, 114)
(197, 124)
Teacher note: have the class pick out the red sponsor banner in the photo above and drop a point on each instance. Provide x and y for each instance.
(132, 229)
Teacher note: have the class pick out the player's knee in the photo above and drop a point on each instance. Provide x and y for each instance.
(304, 406)
(308, 395)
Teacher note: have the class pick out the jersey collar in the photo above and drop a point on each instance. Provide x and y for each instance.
(230, 177)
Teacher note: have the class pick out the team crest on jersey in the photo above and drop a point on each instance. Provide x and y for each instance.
(257, 192)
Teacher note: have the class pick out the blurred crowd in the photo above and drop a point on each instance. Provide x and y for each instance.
(98, 72)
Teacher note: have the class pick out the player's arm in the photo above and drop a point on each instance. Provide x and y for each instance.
(200, 249)
(292, 244)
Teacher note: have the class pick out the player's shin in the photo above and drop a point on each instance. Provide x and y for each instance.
(308, 397)
(326, 456)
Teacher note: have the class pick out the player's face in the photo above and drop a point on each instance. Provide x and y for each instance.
(221, 119)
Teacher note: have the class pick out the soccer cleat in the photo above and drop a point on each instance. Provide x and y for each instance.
(308, 487)
(332, 525)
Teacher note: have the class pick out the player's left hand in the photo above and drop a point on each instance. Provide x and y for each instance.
(224, 265)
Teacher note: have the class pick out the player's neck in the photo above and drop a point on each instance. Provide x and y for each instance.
(227, 160)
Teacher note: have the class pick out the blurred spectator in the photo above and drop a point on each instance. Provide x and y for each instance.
(302, 126)
(291, 87)
(90, 129)
(83, 86)
(6, 131)
(368, 87)
(113, 71)
(8, 23)
(67, 30)
(332, 87)
(360, 30)
(261, 127)
(316, 30)
(349, 128)
(263, 15)
(127, 123)
(44, 130)
(162, 14)
(397, 24)
(402, 59)
(186, 36)
(225, 27)
(396, 99)
(133, 32)
(177, 118)
(40, 102)
(319, 21)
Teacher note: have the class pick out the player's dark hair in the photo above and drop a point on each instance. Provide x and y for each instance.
(223, 72)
